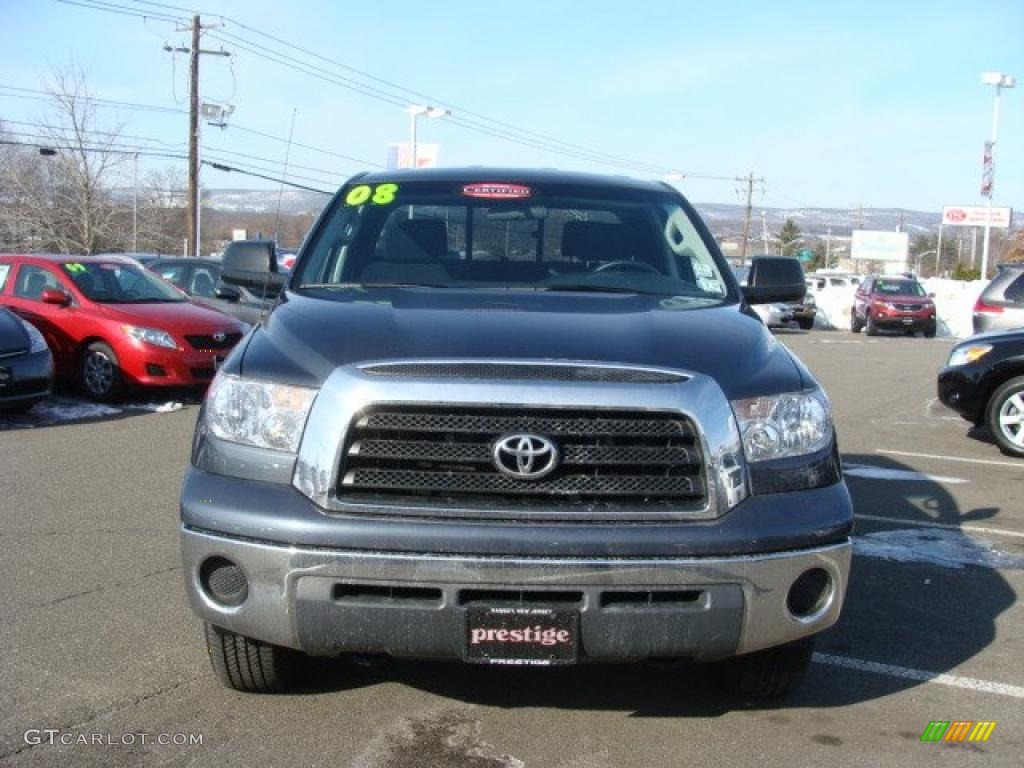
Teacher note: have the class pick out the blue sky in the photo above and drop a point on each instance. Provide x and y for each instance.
(833, 104)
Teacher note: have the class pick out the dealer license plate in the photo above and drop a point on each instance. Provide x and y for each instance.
(533, 635)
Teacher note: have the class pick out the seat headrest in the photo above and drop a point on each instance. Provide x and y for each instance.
(418, 240)
(596, 241)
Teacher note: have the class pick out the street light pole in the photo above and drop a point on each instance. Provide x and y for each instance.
(416, 111)
(1000, 81)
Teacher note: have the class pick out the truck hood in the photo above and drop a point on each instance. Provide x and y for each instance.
(306, 337)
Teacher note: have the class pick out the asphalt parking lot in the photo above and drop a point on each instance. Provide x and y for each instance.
(97, 638)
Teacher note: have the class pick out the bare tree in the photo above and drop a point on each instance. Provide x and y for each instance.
(63, 201)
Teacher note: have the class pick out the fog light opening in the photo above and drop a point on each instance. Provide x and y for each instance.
(810, 594)
(223, 581)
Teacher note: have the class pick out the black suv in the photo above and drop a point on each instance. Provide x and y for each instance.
(513, 417)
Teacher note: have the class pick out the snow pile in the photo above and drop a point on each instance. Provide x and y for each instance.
(954, 301)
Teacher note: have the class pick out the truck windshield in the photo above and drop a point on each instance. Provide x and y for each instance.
(512, 236)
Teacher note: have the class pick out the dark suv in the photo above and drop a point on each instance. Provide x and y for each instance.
(513, 417)
(892, 303)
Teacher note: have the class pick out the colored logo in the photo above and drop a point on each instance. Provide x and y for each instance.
(958, 730)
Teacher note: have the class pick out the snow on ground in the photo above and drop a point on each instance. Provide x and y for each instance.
(60, 409)
(947, 549)
(954, 301)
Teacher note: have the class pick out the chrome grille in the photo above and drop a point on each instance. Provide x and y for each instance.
(619, 461)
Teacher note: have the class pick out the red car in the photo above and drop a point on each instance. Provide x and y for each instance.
(111, 324)
(892, 303)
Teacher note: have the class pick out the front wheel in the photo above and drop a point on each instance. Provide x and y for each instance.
(768, 674)
(855, 324)
(1005, 417)
(805, 325)
(870, 326)
(100, 373)
(249, 665)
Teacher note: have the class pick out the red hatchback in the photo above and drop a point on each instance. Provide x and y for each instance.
(111, 324)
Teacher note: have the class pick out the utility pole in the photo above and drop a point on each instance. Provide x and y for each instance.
(749, 181)
(193, 139)
(192, 244)
(764, 231)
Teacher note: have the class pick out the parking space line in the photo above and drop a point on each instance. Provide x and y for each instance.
(945, 526)
(885, 451)
(921, 675)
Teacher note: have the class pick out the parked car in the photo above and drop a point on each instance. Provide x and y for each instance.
(892, 303)
(1000, 306)
(804, 312)
(26, 365)
(818, 281)
(983, 381)
(200, 279)
(428, 456)
(144, 259)
(111, 324)
(777, 314)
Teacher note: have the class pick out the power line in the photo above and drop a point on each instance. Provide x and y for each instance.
(399, 95)
(228, 168)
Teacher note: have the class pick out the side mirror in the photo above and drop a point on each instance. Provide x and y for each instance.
(931, 295)
(252, 264)
(55, 296)
(227, 293)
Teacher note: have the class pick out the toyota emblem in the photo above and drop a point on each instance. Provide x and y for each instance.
(525, 457)
(220, 337)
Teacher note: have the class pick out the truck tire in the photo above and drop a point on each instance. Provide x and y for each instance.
(1001, 416)
(767, 674)
(249, 665)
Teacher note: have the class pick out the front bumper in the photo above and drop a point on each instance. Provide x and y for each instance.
(296, 556)
(29, 378)
(329, 601)
(964, 388)
(151, 366)
(905, 321)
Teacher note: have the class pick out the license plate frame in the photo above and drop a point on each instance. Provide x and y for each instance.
(529, 635)
(908, 321)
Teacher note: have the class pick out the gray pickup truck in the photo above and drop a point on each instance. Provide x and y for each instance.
(513, 417)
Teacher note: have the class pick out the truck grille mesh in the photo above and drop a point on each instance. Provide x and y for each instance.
(622, 462)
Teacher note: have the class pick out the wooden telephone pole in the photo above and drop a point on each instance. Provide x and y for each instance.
(749, 181)
(194, 109)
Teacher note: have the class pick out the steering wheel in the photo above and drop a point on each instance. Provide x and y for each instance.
(628, 266)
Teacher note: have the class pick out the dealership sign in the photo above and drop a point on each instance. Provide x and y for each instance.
(879, 245)
(974, 216)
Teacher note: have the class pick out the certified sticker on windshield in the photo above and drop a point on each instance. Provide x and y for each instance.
(497, 191)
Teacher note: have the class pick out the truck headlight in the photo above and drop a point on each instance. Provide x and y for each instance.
(257, 413)
(781, 426)
(36, 342)
(968, 353)
(153, 336)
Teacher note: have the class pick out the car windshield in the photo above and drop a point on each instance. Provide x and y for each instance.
(544, 237)
(120, 283)
(899, 288)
